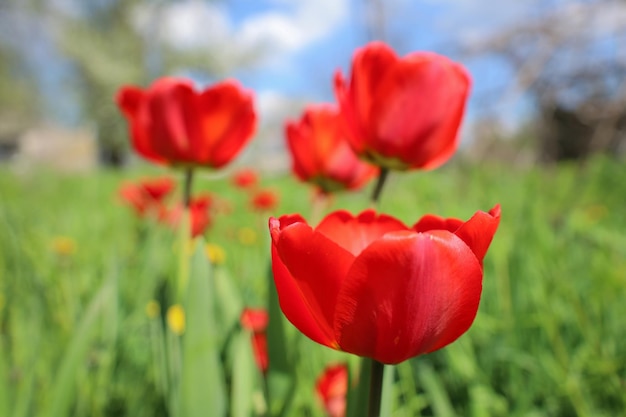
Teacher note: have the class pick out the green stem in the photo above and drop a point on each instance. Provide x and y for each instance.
(187, 186)
(376, 388)
(382, 177)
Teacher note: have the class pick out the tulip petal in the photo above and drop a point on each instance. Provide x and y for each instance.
(356, 233)
(131, 101)
(432, 222)
(408, 293)
(308, 271)
(170, 102)
(418, 108)
(227, 122)
(303, 163)
(321, 153)
(356, 99)
(369, 66)
(478, 231)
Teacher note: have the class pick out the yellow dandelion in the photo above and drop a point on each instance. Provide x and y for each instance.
(247, 236)
(153, 309)
(176, 319)
(63, 245)
(215, 253)
(596, 212)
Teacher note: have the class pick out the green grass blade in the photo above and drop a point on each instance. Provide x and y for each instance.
(63, 388)
(435, 390)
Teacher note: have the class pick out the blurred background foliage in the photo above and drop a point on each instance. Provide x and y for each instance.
(564, 98)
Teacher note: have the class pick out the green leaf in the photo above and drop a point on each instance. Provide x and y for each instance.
(244, 375)
(277, 346)
(228, 299)
(281, 371)
(202, 385)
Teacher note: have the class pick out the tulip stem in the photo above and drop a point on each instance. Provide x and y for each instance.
(376, 388)
(187, 187)
(382, 177)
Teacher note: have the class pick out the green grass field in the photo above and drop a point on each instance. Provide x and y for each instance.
(548, 341)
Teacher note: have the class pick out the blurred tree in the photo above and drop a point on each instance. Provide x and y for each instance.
(570, 60)
(117, 42)
(19, 102)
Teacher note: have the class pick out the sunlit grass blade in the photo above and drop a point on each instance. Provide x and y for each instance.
(388, 393)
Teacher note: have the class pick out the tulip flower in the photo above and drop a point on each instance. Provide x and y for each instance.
(403, 113)
(146, 195)
(331, 387)
(245, 178)
(321, 154)
(171, 123)
(371, 286)
(200, 218)
(264, 200)
(256, 320)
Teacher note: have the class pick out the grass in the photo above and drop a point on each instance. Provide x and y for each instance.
(75, 339)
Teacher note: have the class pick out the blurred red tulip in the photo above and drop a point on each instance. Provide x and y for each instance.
(403, 113)
(246, 178)
(199, 213)
(332, 387)
(256, 320)
(146, 196)
(173, 124)
(321, 154)
(264, 200)
(371, 286)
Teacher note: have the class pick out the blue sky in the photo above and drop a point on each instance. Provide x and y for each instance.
(304, 42)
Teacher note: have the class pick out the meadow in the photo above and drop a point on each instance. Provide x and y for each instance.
(77, 270)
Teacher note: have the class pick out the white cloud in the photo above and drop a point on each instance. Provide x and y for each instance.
(281, 30)
(194, 23)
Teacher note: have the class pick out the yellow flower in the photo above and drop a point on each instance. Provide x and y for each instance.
(596, 212)
(247, 236)
(176, 319)
(215, 253)
(153, 309)
(63, 245)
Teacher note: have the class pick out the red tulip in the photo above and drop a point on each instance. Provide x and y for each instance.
(371, 286)
(246, 178)
(403, 113)
(199, 214)
(172, 123)
(331, 388)
(264, 200)
(146, 195)
(256, 320)
(321, 154)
